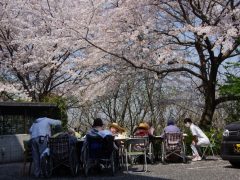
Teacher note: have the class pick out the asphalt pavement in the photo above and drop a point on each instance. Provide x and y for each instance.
(212, 169)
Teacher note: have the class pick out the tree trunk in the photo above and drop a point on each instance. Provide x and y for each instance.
(207, 115)
(210, 98)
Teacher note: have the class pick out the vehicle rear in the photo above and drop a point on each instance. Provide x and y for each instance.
(230, 146)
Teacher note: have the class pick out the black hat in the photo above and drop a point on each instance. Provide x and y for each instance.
(97, 122)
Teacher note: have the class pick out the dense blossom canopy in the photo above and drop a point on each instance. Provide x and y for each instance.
(74, 47)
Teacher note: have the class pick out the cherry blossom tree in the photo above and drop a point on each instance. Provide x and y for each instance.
(36, 57)
(162, 36)
(82, 45)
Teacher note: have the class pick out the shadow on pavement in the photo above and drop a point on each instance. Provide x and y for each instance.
(12, 171)
(231, 167)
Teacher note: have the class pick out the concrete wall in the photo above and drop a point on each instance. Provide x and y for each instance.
(11, 147)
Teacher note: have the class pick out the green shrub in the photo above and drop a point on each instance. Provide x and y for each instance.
(188, 141)
(61, 104)
(218, 140)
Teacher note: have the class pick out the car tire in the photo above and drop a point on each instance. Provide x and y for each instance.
(235, 163)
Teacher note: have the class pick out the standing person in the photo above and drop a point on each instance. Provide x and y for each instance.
(199, 138)
(39, 131)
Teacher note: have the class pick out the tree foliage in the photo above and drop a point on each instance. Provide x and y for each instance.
(62, 106)
(232, 83)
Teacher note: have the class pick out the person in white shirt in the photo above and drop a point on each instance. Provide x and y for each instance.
(199, 139)
(39, 131)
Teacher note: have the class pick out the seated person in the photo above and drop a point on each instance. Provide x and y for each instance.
(170, 128)
(72, 132)
(77, 133)
(142, 130)
(98, 129)
(58, 130)
(60, 133)
(199, 139)
(117, 131)
(151, 129)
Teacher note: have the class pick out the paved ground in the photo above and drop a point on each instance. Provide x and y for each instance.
(214, 169)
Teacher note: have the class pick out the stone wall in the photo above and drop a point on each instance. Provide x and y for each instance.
(11, 147)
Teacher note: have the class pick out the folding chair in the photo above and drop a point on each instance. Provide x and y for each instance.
(209, 146)
(173, 145)
(149, 146)
(135, 147)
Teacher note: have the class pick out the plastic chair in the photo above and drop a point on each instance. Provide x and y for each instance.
(173, 144)
(136, 147)
(209, 146)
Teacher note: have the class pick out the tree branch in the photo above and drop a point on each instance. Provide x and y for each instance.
(159, 72)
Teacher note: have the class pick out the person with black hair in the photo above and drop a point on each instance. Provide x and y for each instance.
(98, 129)
(199, 139)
